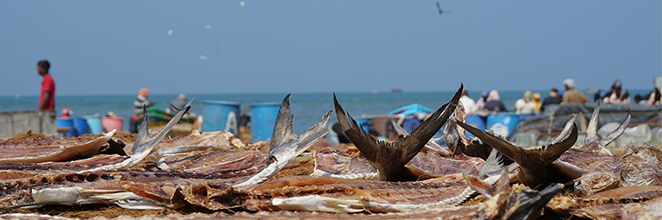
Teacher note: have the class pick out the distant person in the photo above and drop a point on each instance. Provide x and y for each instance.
(480, 104)
(536, 100)
(654, 97)
(525, 105)
(47, 96)
(571, 95)
(552, 99)
(467, 102)
(177, 104)
(639, 100)
(597, 97)
(494, 102)
(66, 113)
(615, 95)
(141, 100)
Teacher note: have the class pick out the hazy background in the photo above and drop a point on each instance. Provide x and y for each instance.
(218, 47)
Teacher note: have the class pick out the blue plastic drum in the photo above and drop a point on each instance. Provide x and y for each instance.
(477, 121)
(503, 124)
(410, 124)
(95, 124)
(67, 123)
(263, 120)
(221, 116)
(80, 124)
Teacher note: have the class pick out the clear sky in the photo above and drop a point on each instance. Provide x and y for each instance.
(117, 47)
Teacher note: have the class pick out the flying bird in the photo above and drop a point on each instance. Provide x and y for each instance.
(442, 11)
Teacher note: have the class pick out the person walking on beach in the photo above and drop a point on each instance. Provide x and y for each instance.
(571, 95)
(47, 96)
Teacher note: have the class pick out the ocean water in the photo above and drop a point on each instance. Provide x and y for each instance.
(308, 108)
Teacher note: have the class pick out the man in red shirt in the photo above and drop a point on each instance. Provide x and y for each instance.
(47, 97)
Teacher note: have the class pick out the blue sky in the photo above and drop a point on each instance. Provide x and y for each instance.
(117, 47)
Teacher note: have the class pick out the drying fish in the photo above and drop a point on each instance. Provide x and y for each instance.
(605, 205)
(55, 150)
(76, 182)
(633, 173)
(345, 162)
(226, 166)
(390, 158)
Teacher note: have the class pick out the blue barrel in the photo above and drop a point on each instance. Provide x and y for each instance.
(410, 124)
(67, 123)
(503, 124)
(80, 124)
(363, 123)
(477, 121)
(95, 124)
(263, 120)
(221, 116)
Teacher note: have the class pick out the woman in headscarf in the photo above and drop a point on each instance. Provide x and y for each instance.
(494, 102)
(616, 96)
(536, 100)
(480, 104)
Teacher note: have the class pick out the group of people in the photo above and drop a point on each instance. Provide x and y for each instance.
(530, 103)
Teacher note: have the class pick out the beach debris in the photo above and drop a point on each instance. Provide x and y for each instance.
(203, 57)
(208, 26)
(170, 32)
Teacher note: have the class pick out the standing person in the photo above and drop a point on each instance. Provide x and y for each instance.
(47, 96)
(571, 95)
(494, 102)
(141, 100)
(552, 99)
(615, 95)
(525, 105)
(467, 102)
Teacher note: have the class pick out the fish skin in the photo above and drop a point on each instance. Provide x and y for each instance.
(390, 158)
(634, 174)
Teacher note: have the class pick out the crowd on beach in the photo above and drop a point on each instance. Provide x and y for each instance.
(531, 104)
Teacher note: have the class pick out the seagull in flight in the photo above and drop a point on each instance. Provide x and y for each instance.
(442, 11)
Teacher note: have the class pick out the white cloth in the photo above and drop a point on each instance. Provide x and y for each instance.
(468, 104)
